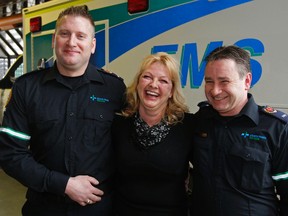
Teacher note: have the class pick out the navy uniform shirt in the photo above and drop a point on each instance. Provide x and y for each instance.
(52, 131)
(239, 162)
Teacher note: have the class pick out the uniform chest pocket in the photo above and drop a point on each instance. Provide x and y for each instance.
(47, 125)
(46, 121)
(202, 154)
(254, 166)
(97, 125)
(99, 115)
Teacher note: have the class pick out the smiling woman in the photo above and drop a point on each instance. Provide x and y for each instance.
(152, 142)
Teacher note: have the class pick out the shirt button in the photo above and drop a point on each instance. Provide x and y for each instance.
(71, 114)
(101, 116)
(70, 138)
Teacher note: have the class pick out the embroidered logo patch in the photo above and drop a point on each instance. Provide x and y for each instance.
(99, 99)
(253, 136)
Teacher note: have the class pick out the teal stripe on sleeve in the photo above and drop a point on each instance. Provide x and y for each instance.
(14, 133)
(280, 176)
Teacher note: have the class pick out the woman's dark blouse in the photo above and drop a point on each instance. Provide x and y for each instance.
(151, 181)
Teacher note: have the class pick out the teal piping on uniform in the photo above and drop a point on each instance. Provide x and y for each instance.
(281, 176)
(16, 134)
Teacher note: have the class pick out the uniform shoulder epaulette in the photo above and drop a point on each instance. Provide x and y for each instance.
(276, 113)
(203, 104)
(110, 73)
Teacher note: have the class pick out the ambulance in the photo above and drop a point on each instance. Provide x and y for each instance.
(129, 30)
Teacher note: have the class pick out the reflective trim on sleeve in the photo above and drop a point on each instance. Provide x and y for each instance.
(16, 134)
(281, 176)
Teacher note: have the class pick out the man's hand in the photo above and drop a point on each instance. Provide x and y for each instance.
(82, 190)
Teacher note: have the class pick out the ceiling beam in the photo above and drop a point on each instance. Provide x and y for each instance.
(11, 22)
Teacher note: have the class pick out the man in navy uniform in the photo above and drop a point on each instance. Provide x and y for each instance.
(55, 138)
(240, 164)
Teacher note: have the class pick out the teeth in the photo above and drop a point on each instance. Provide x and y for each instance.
(151, 93)
(218, 98)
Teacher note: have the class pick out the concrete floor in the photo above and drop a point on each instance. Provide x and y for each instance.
(12, 196)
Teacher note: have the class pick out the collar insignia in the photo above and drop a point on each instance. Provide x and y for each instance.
(269, 109)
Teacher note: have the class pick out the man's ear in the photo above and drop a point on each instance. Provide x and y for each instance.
(248, 80)
(93, 46)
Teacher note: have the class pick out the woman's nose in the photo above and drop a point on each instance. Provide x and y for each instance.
(154, 83)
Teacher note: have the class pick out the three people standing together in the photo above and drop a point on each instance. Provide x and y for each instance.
(56, 137)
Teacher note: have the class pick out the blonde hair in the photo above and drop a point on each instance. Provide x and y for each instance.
(176, 106)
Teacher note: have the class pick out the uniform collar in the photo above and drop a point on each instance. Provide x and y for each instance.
(250, 110)
(91, 74)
